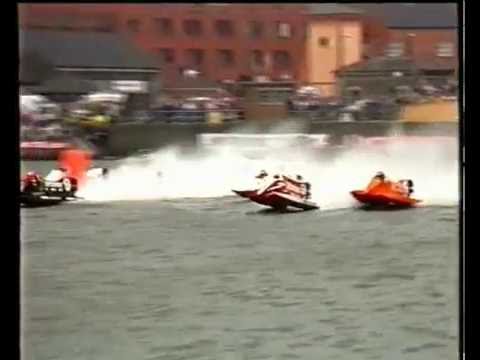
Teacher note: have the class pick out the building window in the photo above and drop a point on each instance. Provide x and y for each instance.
(133, 25)
(445, 50)
(282, 59)
(258, 59)
(195, 57)
(66, 22)
(226, 57)
(192, 27)
(323, 41)
(256, 29)
(224, 28)
(163, 26)
(395, 49)
(284, 30)
(105, 27)
(103, 23)
(167, 56)
(36, 26)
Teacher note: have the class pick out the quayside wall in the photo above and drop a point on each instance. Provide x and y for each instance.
(125, 139)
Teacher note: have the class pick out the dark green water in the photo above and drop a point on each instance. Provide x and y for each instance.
(219, 279)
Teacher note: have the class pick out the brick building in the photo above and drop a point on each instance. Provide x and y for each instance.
(222, 41)
(302, 42)
(427, 33)
(333, 40)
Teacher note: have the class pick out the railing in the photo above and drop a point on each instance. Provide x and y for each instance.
(185, 116)
(332, 113)
(343, 112)
(340, 115)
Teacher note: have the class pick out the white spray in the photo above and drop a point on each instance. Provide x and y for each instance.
(167, 174)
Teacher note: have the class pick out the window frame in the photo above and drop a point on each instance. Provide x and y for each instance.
(189, 52)
(320, 40)
(391, 52)
(278, 30)
(252, 27)
(66, 22)
(159, 26)
(448, 50)
(163, 52)
(218, 33)
(129, 26)
(253, 58)
(220, 58)
(194, 33)
(280, 65)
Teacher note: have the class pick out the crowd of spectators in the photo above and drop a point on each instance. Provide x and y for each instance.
(308, 102)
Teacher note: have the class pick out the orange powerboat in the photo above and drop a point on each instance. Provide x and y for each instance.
(381, 192)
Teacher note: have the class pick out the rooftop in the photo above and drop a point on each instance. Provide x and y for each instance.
(63, 83)
(332, 9)
(382, 63)
(89, 50)
(412, 15)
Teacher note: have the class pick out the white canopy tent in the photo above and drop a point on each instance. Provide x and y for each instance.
(105, 97)
(32, 103)
(308, 90)
(38, 105)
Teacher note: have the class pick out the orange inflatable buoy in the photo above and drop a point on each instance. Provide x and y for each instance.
(76, 163)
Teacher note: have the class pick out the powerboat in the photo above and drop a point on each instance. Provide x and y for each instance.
(281, 192)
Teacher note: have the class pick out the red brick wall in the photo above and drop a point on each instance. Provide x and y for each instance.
(83, 16)
(424, 44)
(375, 37)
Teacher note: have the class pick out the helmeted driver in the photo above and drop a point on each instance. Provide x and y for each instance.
(308, 186)
(263, 174)
(377, 179)
(379, 176)
(408, 186)
(32, 175)
(33, 181)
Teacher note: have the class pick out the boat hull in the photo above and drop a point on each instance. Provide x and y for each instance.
(384, 199)
(38, 200)
(277, 200)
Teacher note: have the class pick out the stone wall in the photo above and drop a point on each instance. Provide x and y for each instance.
(125, 139)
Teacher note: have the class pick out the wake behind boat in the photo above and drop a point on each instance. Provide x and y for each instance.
(40, 199)
(280, 192)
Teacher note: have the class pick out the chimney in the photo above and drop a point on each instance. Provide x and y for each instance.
(410, 46)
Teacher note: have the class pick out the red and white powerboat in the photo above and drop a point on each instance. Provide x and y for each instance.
(280, 192)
